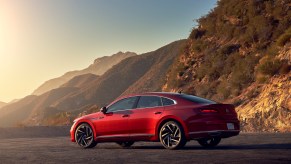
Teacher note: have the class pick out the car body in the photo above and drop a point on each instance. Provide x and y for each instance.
(172, 118)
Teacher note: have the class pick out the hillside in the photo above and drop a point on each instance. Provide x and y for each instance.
(99, 67)
(86, 93)
(2, 104)
(152, 80)
(118, 79)
(237, 54)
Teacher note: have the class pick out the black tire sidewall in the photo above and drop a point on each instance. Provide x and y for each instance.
(182, 140)
(93, 142)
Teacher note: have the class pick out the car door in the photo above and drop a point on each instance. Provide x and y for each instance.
(145, 116)
(114, 123)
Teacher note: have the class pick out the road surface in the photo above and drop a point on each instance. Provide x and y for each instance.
(52, 145)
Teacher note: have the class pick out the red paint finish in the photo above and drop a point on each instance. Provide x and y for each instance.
(199, 119)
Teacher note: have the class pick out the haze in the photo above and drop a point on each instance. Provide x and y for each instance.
(40, 40)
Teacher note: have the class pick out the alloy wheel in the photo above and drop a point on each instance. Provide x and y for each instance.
(171, 135)
(84, 136)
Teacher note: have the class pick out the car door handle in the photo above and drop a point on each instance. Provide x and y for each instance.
(126, 115)
(158, 112)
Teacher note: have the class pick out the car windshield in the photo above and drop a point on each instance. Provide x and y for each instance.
(197, 100)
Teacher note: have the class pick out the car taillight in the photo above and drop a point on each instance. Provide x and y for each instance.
(209, 111)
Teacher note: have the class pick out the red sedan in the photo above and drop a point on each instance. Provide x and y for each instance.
(171, 118)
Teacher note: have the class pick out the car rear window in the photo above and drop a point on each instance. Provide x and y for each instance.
(197, 100)
(167, 101)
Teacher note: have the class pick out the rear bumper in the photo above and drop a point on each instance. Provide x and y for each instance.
(213, 133)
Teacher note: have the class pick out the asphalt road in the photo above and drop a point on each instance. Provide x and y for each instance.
(57, 148)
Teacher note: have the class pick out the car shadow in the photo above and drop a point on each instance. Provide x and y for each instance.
(223, 147)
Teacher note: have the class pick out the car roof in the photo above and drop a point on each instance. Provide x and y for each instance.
(151, 94)
(154, 93)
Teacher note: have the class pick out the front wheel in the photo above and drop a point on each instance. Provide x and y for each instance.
(172, 135)
(209, 142)
(126, 144)
(84, 136)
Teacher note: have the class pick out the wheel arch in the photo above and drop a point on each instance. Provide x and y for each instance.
(86, 122)
(171, 118)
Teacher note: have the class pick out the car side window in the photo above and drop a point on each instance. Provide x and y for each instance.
(123, 104)
(167, 101)
(149, 101)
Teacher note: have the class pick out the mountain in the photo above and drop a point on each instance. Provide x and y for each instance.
(99, 67)
(86, 93)
(240, 53)
(2, 104)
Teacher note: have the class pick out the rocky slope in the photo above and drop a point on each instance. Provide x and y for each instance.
(268, 110)
(99, 67)
(240, 53)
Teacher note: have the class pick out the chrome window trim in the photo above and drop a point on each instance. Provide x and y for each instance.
(175, 103)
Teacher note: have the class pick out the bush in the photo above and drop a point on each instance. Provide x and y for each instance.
(283, 39)
(243, 72)
(196, 33)
(223, 90)
(262, 79)
(181, 73)
(270, 66)
(285, 68)
(228, 49)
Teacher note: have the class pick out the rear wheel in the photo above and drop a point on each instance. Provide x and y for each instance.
(172, 135)
(84, 136)
(209, 142)
(126, 144)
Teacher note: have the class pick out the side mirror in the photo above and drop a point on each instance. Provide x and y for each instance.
(103, 110)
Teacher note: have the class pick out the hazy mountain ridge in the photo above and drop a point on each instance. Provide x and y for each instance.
(153, 80)
(2, 104)
(116, 80)
(238, 51)
(99, 67)
(88, 92)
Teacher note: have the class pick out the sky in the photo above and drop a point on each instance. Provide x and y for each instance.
(43, 39)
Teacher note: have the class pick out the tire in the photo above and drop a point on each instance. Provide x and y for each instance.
(126, 144)
(84, 136)
(209, 142)
(172, 135)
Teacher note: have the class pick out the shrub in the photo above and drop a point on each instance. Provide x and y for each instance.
(223, 90)
(283, 39)
(270, 66)
(262, 79)
(196, 33)
(285, 68)
(181, 73)
(243, 72)
(228, 49)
